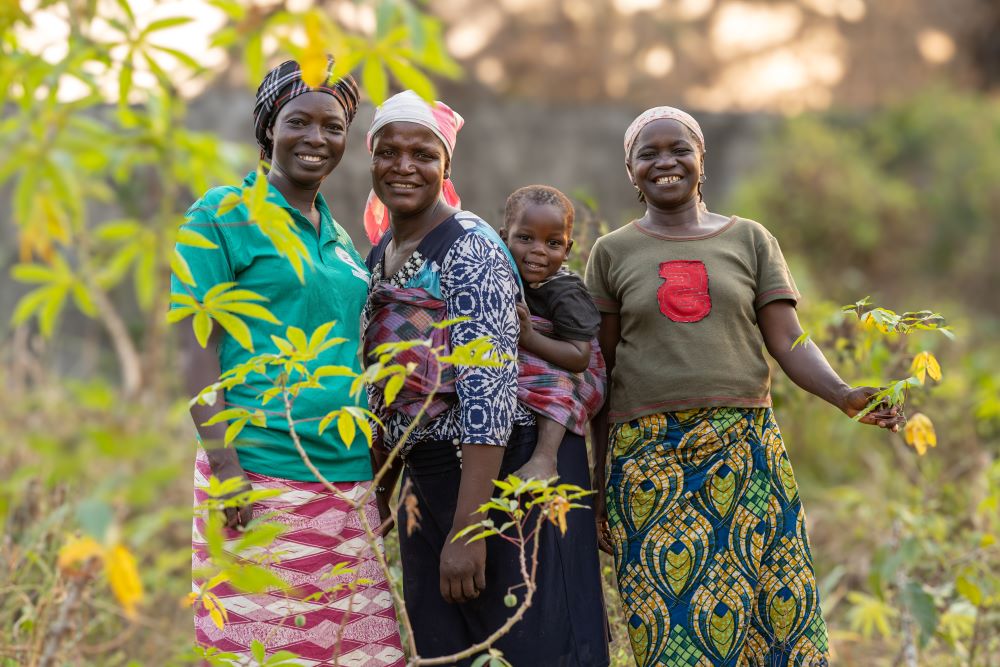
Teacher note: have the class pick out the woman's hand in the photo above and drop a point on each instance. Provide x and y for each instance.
(856, 399)
(227, 468)
(386, 518)
(463, 569)
(601, 517)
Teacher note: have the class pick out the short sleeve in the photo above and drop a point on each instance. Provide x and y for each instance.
(574, 316)
(478, 282)
(208, 266)
(774, 280)
(596, 279)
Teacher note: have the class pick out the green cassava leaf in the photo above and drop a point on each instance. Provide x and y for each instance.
(374, 80)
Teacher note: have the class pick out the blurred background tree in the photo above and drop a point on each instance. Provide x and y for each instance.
(864, 134)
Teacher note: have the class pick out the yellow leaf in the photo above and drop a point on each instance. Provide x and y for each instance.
(558, 508)
(925, 364)
(79, 549)
(216, 611)
(919, 433)
(123, 576)
(202, 327)
(346, 428)
(314, 61)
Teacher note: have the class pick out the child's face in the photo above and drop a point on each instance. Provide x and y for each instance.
(539, 242)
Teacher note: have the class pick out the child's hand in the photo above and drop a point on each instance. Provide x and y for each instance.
(539, 467)
(527, 331)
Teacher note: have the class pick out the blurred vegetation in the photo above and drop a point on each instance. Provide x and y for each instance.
(899, 203)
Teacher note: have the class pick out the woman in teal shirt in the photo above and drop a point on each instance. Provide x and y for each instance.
(302, 133)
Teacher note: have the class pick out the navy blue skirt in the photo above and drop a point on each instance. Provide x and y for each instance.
(566, 624)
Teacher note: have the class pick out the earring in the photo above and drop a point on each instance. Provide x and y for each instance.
(703, 177)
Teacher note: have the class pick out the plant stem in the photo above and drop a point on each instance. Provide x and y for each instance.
(529, 582)
(370, 536)
(60, 628)
(976, 632)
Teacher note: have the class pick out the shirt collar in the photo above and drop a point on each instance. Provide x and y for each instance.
(273, 194)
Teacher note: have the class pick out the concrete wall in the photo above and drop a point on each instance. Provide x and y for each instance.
(508, 143)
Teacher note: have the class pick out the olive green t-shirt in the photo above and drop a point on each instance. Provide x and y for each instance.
(688, 309)
(335, 289)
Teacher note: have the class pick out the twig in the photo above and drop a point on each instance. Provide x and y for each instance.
(976, 631)
(529, 581)
(370, 536)
(343, 623)
(62, 625)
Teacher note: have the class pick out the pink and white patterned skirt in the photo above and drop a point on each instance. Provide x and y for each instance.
(321, 622)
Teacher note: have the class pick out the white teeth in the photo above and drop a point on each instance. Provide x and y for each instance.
(310, 158)
(663, 180)
(404, 186)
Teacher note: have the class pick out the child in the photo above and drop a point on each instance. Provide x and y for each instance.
(538, 228)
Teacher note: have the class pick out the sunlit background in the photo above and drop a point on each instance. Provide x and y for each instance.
(864, 133)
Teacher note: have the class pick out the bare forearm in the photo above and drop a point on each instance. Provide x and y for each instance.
(608, 336)
(805, 365)
(480, 466)
(572, 355)
(202, 369)
(389, 474)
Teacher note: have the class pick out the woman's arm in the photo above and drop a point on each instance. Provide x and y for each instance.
(478, 282)
(201, 368)
(608, 336)
(808, 368)
(572, 355)
(387, 482)
(463, 565)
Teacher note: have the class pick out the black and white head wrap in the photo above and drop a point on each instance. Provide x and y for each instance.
(284, 83)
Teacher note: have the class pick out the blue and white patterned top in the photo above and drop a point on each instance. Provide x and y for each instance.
(464, 263)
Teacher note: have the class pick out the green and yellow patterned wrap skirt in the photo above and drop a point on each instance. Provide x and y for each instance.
(710, 542)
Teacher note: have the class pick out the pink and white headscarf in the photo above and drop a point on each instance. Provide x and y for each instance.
(409, 107)
(660, 113)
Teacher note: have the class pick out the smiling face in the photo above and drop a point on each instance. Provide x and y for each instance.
(539, 241)
(309, 136)
(409, 165)
(666, 164)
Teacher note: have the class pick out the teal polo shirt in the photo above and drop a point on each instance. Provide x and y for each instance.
(336, 286)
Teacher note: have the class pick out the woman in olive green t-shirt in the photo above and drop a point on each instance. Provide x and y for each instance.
(700, 507)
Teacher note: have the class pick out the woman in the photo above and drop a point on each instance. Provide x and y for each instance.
(435, 263)
(703, 515)
(302, 133)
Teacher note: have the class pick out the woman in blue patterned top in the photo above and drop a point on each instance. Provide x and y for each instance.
(436, 262)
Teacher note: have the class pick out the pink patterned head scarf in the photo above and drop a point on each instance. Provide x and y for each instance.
(660, 113)
(409, 107)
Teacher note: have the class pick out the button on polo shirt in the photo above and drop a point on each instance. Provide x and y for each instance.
(335, 289)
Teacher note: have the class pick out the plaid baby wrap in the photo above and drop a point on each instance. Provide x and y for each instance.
(570, 399)
(407, 314)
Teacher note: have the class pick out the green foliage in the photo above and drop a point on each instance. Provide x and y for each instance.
(56, 281)
(923, 525)
(99, 186)
(905, 194)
